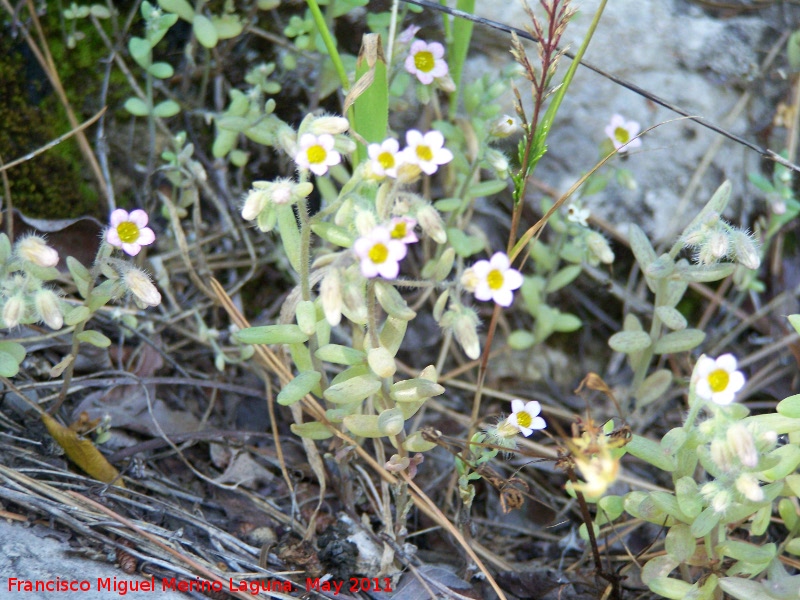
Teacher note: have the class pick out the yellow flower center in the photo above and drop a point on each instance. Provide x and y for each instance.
(524, 419)
(425, 153)
(424, 61)
(399, 230)
(316, 154)
(622, 136)
(378, 253)
(495, 279)
(386, 160)
(128, 232)
(718, 380)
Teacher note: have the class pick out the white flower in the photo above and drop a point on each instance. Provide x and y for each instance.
(316, 153)
(379, 253)
(385, 157)
(426, 61)
(426, 151)
(402, 229)
(34, 249)
(494, 279)
(717, 380)
(577, 214)
(504, 126)
(525, 416)
(621, 132)
(129, 231)
(280, 191)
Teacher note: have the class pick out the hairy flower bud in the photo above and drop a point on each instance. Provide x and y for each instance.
(598, 246)
(747, 484)
(428, 218)
(139, 284)
(745, 249)
(329, 124)
(330, 292)
(13, 311)
(741, 441)
(48, 308)
(34, 249)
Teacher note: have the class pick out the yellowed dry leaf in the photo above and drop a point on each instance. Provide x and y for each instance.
(82, 452)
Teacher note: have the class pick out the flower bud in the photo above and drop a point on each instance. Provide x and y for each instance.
(747, 484)
(498, 161)
(504, 126)
(598, 246)
(139, 284)
(330, 292)
(34, 249)
(464, 323)
(718, 244)
(741, 441)
(431, 223)
(254, 203)
(48, 309)
(329, 124)
(13, 311)
(720, 455)
(365, 222)
(745, 249)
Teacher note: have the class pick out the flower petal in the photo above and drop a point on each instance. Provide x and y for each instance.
(118, 216)
(146, 237)
(139, 218)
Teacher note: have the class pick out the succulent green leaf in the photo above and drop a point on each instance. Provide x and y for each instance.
(340, 355)
(716, 205)
(688, 496)
(80, 275)
(651, 452)
(77, 315)
(298, 387)
(642, 248)
(161, 70)
(392, 302)
(205, 31)
(139, 49)
(679, 341)
(794, 321)
(363, 425)
(166, 109)
(272, 334)
(306, 315)
(137, 107)
(353, 390)
(416, 443)
(790, 407)
(9, 366)
(391, 421)
(653, 387)
(227, 26)
(705, 522)
(330, 232)
(290, 236)
(95, 338)
(182, 8)
(392, 333)
(464, 245)
(658, 567)
(414, 390)
(311, 430)
(563, 278)
(789, 456)
(487, 188)
(680, 544)
(671, 318)
(566, 322)
(629, 342)
(669, 587)
(521, 339)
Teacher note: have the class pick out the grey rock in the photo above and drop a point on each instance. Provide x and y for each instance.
(41, 554)
(678, 52)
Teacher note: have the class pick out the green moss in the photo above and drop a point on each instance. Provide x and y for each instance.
(50, 185)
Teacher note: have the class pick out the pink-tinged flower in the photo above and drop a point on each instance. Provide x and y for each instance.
(402, 229)
(426, 61)
(129, 231)
(385, 157)
(316, 153)
(379, 253)
(717, 380)
(493, 279)
(426, 151)
(622, 132)
(525, 416)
